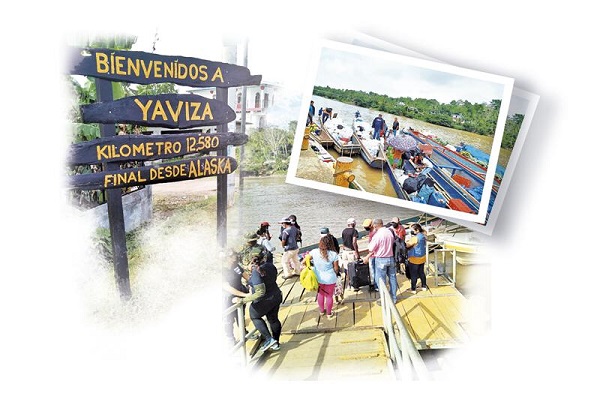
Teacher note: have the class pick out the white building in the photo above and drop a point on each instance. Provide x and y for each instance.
(259, 99)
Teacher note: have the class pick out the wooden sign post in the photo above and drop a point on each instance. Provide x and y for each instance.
(179, 111)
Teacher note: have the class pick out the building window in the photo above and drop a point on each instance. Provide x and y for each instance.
(266, 101)
(257, 100)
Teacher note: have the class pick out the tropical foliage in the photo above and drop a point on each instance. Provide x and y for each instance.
(478, 118)
(268, 150)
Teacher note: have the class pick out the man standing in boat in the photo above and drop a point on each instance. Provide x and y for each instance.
(377, 126)
(311, 113)
(395, 126)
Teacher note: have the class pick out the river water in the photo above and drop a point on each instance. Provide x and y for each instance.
(271, 199)
(346, 114)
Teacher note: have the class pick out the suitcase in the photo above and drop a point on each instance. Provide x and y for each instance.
(358, 274)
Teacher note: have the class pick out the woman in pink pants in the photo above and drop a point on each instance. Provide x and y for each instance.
(326, 268)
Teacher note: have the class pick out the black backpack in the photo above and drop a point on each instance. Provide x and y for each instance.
(399, 248)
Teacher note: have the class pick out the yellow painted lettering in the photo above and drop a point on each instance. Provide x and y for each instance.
(168, 69)
(175, 114)
(146, 68)
(203, 75)
(119, 61)
(101, 152)
(108, 180)
(218, 75)
(138, 149)
(143, 108)
(157, 69)
(196, 107)
(112, 63)
(159, 111)
(193, 71)
(207, 112)
(101, 63)
(192, 171)
(133, 67)
(182, 71)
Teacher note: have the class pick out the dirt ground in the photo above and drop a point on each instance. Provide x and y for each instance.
(190, 188)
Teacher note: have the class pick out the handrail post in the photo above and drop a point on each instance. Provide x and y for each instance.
(242, 332)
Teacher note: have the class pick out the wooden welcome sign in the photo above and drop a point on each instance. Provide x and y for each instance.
(177, 111)
(141, 148)
(165, 110)
(146, 68)
(162, 173)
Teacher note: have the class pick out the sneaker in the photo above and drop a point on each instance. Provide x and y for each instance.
(423, 288)
(322, 313)
(275, 347)
(413, 292)
(371, 288)
(254, 336)
(331, 316)
(267, 344)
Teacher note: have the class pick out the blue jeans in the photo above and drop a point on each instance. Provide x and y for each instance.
(387, 267)
(372, 271)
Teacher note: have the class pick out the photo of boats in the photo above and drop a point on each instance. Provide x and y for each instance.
(432, 131)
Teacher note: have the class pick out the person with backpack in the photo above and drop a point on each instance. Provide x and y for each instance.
(349, 249)
(266, 299)
(400, 244)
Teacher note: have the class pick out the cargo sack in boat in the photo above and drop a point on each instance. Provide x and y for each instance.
(437, 199)
(425, 192)
(418, 199)
(413, 184)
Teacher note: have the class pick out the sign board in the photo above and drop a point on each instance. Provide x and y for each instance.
(162, 173)
(141, 148)
(146, 68)
(164, 110)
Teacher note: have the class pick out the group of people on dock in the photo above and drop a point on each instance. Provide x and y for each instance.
(250, 275)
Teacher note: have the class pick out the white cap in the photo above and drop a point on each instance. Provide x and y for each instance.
(351, 221)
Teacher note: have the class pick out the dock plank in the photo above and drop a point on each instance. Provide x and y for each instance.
(362, 314)
(336, 355)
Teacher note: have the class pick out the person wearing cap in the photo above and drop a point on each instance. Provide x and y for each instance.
(290, 249)
(381, 248)
(336, 244)
(266, 299)
(349, 249)
(263, 230)
(368, 226)
(264, 238)
(251, 239)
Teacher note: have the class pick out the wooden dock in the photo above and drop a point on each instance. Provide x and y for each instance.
(352, 344)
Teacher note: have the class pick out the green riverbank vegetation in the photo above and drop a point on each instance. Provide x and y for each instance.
(477, 118)
(268, 150)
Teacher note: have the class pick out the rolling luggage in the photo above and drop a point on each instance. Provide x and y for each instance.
(358, 273)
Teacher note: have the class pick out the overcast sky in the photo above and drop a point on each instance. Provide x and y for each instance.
(383, 73)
